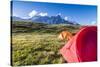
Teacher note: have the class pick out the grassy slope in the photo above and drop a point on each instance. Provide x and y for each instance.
(38, 44)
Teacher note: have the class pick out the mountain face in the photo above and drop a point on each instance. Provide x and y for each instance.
(14, 18)
(49, 20)
(46, 19)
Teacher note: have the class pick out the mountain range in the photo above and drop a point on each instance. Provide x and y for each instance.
(46, 19)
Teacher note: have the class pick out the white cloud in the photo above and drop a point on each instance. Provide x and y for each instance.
(25, 17)
(33, 13)
(59, 13)
(43, 14)
(66, 18)
(14, 14)
(36, 13)
(93, 23)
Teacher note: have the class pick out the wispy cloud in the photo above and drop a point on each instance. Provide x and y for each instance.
(93, 23)
(59, 13)
(33, 13)
(66, 18)
(36, 13)
(43, 14)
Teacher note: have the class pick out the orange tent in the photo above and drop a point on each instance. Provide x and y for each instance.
(82, 47)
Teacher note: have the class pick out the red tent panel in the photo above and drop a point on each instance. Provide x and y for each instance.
(82, 47)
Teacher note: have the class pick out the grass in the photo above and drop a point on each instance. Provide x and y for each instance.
(31, 48)
(38, 44)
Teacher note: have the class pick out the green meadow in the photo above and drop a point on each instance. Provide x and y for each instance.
(38, 43)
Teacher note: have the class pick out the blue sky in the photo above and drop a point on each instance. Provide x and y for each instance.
(83, 14)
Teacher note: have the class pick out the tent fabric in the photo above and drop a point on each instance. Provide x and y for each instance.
(82, 47)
